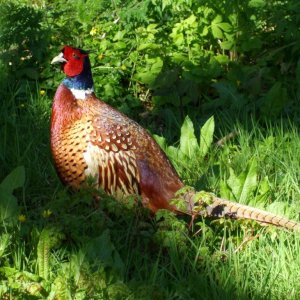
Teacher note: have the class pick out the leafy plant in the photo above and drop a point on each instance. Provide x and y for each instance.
(239, 188)
(49, 238)
(189, 148)
(23, 39)
(8, 202)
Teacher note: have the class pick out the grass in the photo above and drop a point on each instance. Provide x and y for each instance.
(57, 245)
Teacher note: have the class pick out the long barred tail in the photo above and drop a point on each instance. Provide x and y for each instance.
(219, 208)
(226, 208)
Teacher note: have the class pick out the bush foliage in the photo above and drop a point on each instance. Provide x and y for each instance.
(183, 57)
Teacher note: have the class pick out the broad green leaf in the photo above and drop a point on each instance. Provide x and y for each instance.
(178, 57)
(109, 90)
(206, 136)
(216, 31)
(178, 39)
(264, 186)
(217, 27)
(161, 141)
(49, 238)
(243, 185)
(119, 35)
(152, 27)
(234, 184)
(257, 3)
(8, 202)
(191, 20)
(145, 77)
(14, 180)
(229, 93)
(172, 152)
(8, 206)
(217, 19)
(5, 240)
(205, 31)
(227, 45)
(225, 191)
(222, 59)
(148, 46)
(248, 181)
(166, 3)
(225, 26)
(120, 45)
(275, 99)
(8, 271)
(148, 74)
(264, 190)
(188, 140)
(102, 249)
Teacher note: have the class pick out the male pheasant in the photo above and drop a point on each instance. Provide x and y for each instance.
(89, 138)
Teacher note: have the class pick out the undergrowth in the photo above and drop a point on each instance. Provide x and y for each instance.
(59, 245)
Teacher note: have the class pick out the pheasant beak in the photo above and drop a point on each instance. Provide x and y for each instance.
(58, 59)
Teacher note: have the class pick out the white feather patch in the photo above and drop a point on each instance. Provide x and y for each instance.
(92, 158)
(98, 160)
(81, 94)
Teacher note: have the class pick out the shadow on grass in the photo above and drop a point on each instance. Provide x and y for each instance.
(123, 251)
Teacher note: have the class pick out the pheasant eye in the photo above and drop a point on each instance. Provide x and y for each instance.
(75, 55)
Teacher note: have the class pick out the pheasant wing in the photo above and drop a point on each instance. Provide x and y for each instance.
(110, 158)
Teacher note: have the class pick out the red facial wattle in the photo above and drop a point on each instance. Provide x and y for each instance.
(75, 61)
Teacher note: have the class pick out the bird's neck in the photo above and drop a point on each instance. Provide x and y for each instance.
(81, 85)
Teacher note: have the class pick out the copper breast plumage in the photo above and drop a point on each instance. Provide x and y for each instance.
(88, 142)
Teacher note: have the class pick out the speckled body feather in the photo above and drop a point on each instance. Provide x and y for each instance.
(89, 138)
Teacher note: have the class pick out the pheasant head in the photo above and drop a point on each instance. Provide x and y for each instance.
(75, 63)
